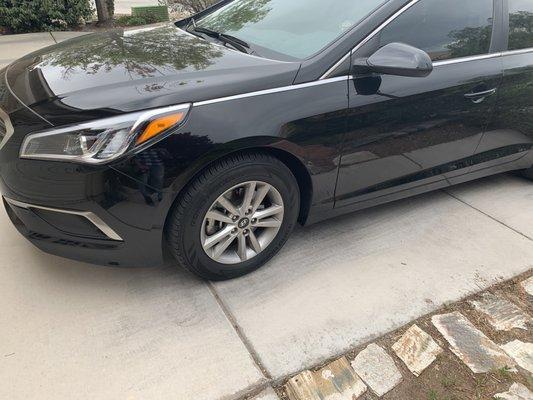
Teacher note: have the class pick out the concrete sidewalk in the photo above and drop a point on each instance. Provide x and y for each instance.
(72, 330)
(16, 46)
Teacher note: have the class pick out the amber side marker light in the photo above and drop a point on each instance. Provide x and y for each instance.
(159, 125)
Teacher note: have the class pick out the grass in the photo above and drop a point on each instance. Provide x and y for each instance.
(448, 382)
(433, 395)
(505, 373)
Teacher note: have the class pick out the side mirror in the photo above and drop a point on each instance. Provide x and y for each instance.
(396, 59)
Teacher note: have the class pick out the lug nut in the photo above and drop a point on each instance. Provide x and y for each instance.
(245, 231)
(234, 231)
(254, 220)
(234, 218)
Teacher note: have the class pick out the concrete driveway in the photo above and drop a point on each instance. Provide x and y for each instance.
(76, 330)
(72, 330)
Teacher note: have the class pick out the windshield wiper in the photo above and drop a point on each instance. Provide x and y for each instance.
(213, 33)
(192, 22)
(239, 44)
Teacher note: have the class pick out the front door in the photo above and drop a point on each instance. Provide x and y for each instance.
(413, 134)
(509, 138)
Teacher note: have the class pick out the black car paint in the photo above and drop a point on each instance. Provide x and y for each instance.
(116, 72)
(353, 143)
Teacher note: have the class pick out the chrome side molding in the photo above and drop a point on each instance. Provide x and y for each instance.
(271, 91)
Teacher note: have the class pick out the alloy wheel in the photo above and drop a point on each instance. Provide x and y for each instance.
(242, 222)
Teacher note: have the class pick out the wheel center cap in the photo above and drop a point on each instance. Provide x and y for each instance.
(243, 223)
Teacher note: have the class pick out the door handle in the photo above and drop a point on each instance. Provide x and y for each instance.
(479, 97)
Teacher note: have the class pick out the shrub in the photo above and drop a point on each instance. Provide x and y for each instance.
(151, 13)
(20, 16)
(141, 16)
(189, 6)
(127, 20)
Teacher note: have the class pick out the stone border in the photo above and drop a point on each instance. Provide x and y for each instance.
(373, 370)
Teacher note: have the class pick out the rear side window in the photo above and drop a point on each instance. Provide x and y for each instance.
(520, 24)
(444, 29)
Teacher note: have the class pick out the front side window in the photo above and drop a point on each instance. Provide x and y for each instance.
(520, 24)
(297, 28)
(444, 29)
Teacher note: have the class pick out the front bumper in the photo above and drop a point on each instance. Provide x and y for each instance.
(91, 214)
(84, 236)
(95, 214)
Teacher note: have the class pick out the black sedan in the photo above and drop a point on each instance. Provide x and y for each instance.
(211, 138)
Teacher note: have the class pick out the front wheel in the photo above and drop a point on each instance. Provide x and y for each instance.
(234, 217)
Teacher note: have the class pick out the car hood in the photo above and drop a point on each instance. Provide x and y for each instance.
(123, 71)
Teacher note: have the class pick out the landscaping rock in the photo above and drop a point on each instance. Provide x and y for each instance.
(416, 349)
(336, 381)
(377, 369)
(267, 394)
(516, 392)
(468, 343)
(527, 285)
(502, 314)
(521, 352)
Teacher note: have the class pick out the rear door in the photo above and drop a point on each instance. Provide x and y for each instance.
(510, 136)
(413, 134)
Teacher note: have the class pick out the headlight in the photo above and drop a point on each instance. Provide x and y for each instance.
(103, 140)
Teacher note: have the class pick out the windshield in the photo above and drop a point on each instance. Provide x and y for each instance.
(297, 28)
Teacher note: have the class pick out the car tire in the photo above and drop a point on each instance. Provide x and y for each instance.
(528, 173)
(190, 232)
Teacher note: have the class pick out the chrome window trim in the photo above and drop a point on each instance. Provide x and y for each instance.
(369, 37)
(9, 127)
(466, 59)
(90, 216)
(514, 52)
(437, 63)
(271, 91)
(483, 57)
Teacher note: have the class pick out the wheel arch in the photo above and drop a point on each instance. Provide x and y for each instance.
(293, 162)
